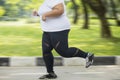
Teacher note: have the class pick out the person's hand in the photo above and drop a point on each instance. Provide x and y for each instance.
(35, 13)
(43, 17)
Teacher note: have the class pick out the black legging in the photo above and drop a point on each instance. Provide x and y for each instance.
(58, 41)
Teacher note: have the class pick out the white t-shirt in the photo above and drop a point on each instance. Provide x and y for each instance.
(53, 24)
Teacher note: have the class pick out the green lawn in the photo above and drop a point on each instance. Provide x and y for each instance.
(25, 40)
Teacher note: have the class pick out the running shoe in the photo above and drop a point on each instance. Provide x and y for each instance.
(49, 76)
(89, 60)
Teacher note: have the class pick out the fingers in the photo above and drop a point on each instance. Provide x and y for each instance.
(35, 13)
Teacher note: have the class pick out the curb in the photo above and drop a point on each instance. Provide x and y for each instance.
(58, 61)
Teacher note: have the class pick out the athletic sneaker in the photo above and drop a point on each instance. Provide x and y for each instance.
(49, 76)
(89, 60)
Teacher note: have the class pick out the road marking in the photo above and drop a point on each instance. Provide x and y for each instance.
(15, 74)
(26, 74)
(4, 77)
(88, 72)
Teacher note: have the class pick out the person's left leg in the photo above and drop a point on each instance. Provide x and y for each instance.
(59, 41)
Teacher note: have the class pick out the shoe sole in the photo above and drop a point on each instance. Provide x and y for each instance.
(47, 78)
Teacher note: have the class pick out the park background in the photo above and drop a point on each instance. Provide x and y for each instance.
(95, 27)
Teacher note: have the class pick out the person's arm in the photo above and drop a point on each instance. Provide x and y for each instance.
(56, 11)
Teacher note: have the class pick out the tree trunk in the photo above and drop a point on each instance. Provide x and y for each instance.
(98, 7)
(115, 12)
(86, 16)
(105, 29)
(76, 12)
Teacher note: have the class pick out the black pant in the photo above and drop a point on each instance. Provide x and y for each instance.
(59, 42)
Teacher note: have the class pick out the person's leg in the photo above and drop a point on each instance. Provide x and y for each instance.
(60, 43)
(48, 57)
(47, 54)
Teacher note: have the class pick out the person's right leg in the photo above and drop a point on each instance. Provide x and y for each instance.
(47, 52)
(48, 57)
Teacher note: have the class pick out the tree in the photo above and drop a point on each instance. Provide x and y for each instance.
(19, 8)
(2, 10)
(98, 7)
(75, 11)
(115, 12)
(12, 8)
(2, 2)
(86, 16)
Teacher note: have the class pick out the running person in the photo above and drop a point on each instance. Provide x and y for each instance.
(56, 27)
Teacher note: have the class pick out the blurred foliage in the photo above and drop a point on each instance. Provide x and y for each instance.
(12, 1)
(23, 40)
(2, 11)
(23, 8)
(18, 8)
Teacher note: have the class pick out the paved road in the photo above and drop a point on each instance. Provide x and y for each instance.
(64, 73)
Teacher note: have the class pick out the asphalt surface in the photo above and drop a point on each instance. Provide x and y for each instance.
(63, 72)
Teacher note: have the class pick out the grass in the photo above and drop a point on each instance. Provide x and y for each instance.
(25, 40)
